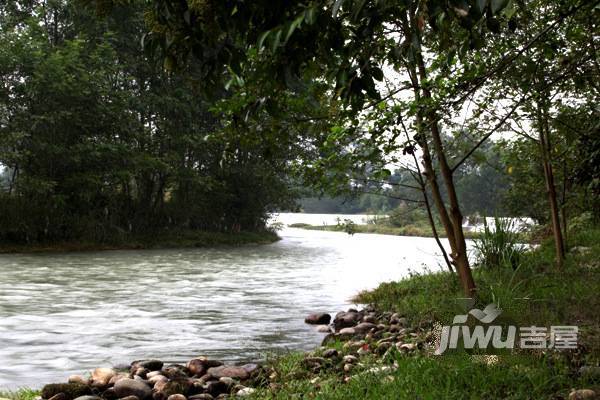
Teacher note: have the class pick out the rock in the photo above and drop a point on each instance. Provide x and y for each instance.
(230, 382)
(116, 378)
(109, 394)
(70, 390)
(314, 362)
(203, 396)
(318, 319)
(383, 347)
(197, 367)
(323, 329)
(59, 396)
(153, 373)
(348, 367)
(346, 319)
(176, 397)
(157, 378)
(102, 376)
(251, 368)
(177, 386)
(362, 351)
(347, 331)
(247, 391)
(406, 346)
(88, 398)
(349, 359)
(582, 394)
(130, 398)
(78, 379)
(228, 371)
(151, 365)
(175, 372)
(215, 388)
(330, 353)
(129, 387)
(364, 327)
(142, 372)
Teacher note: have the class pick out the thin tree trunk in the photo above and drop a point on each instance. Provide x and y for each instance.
(459, 254)
(550, 187)
(423, 186)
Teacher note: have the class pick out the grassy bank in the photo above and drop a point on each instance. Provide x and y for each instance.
(421, 230)
(180, 239)
(535, 294)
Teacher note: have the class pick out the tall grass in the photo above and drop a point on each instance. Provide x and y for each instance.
(498, 246)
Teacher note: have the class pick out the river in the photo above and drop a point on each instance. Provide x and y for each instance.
(67, 313)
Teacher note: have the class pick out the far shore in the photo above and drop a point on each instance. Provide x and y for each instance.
(170, 240)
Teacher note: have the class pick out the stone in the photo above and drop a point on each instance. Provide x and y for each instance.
(323, 329)
(109, 394)
(88, 397)
(59, 396)
(175, 372)
(350, 359)
(197, 367)
(247, 391)
(348, 367)
(116, 378)
(406, 346)
(347, 331)
(157, 378)
(318, 319)
(202, 396)
(176, 397)
(330, 353)
(153, 373)
(102, 376)
(251, 368)
(142, 372)
(177, 386)
(130, 398)
(230, 382)
(582, 394)
(346, 319)
(228, 371)
(364, 327)
(383, 347)
(70, 390)
(151, 365)
(130, 387)
(215, 388)
(78, 379)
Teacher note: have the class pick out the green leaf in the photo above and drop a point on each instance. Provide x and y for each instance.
(261, 39)
(276, 41)
(498, 5)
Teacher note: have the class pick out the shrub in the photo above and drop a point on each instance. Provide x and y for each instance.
(498, 247)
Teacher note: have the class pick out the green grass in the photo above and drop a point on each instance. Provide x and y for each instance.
(179, 239)
(21, 394)
(421, 230)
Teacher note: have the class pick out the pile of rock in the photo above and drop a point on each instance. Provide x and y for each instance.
(200, 379)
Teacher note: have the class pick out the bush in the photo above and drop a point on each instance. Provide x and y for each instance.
(498, 247)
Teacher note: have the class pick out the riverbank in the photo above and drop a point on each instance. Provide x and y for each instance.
(417, 230)
(169, 240)
(385, 351)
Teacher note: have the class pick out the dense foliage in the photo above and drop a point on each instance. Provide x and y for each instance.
(98, 142)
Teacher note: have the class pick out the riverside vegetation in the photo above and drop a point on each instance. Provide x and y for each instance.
(385, 350)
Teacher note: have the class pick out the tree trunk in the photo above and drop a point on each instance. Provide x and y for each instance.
(459, 254)
(550, 187)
